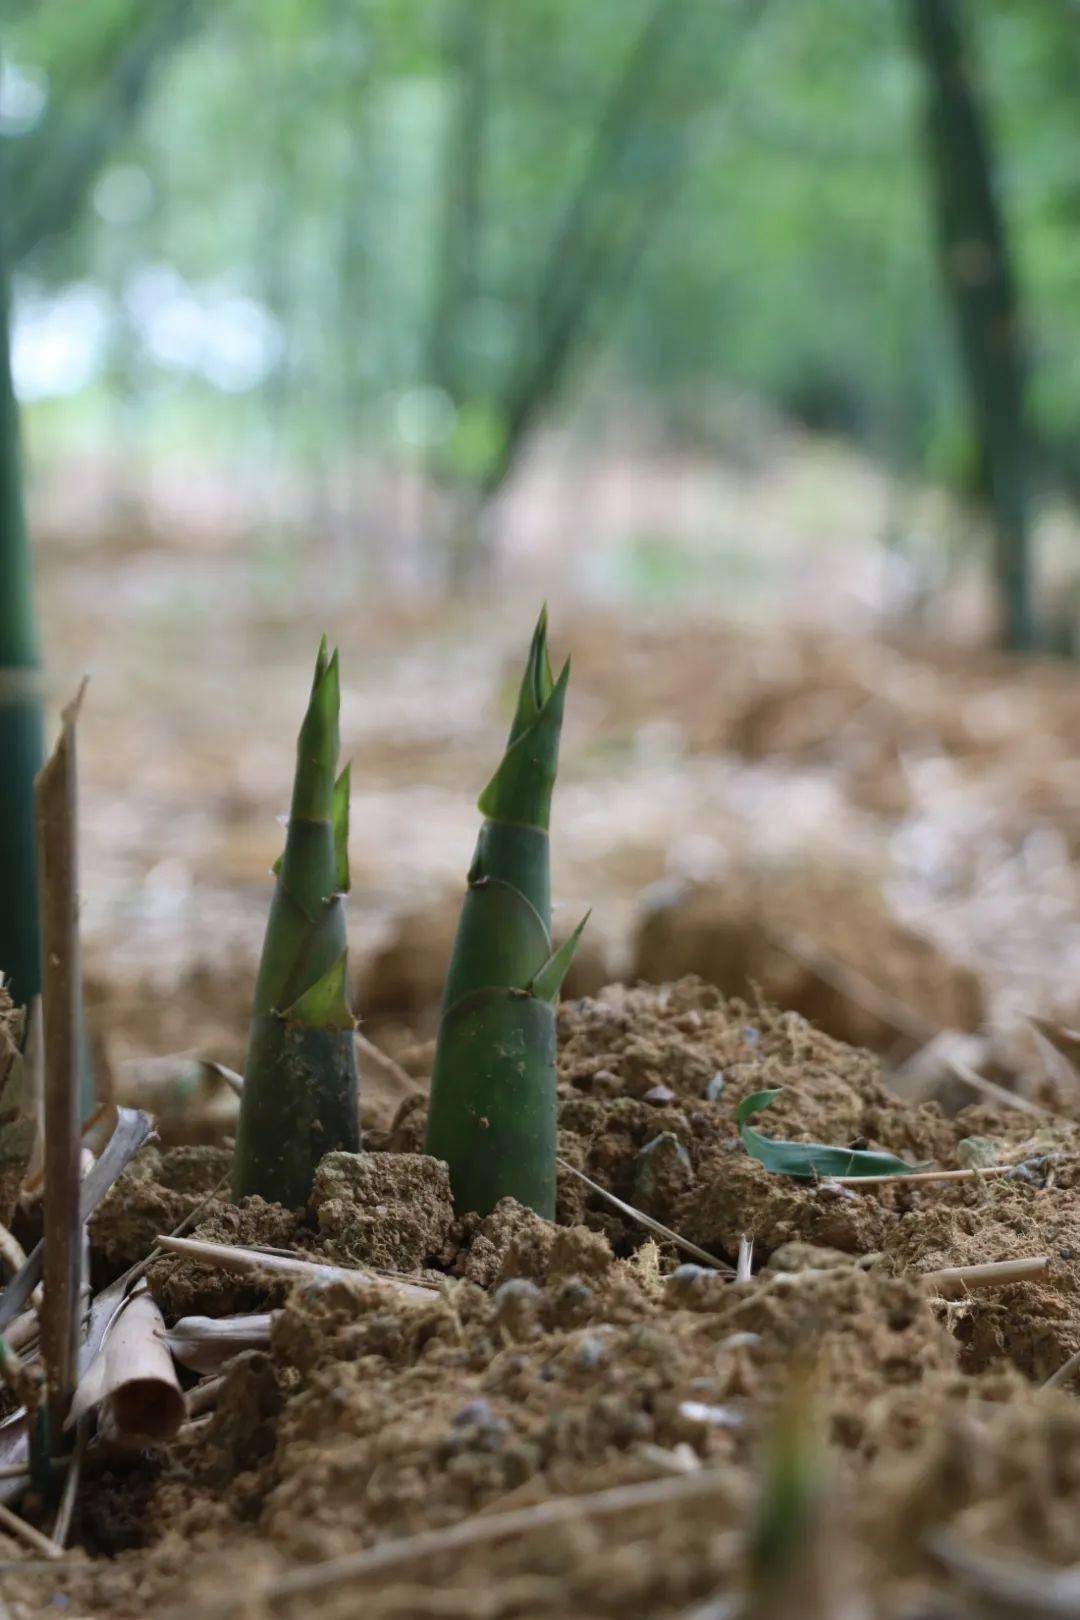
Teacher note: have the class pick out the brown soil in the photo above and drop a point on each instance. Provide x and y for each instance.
(747, 933)
(16, 1133)
(554, 1361)
(391, 1211)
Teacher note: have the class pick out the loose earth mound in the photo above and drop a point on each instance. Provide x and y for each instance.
(550, 1366)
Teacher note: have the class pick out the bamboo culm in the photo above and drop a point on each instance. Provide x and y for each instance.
(299, 1100)
(493, 1104)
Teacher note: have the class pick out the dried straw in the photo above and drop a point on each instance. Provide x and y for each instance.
(647, 1221)
(246, 1262)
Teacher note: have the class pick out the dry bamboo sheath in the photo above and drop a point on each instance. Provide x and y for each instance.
(132, 1380)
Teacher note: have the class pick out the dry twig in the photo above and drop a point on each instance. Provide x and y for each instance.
(33, 1538)
(953, 1282)
(972, 1174)
(132, 1129)
(990, 1088)
(853, 985)
(228, 1257)
(1016, 1587)
(647, 1221)
(1064, 1372)
(473, 1532)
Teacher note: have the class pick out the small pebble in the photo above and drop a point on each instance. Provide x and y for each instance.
(715, 1088)
(575, 1294)
(591, 1352)
(829, 1189)
(517, 1290)
(751, 1036)
(688, 1273)
(697, 1287)
(1031, 1171)
(517, 1305)
(659, 1096)
(744, 1340)
(714, 1417)
(661, 1168)
(477, 1412)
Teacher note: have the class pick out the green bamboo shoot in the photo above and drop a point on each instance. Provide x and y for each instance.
(493, 1103)
(300, 1091)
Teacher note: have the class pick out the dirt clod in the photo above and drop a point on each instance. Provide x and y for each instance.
(156, 1192)
(392, 1211)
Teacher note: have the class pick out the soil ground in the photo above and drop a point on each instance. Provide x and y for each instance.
(852, 837)
(551, 1363)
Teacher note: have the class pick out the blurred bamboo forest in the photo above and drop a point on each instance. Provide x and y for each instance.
(283, 233)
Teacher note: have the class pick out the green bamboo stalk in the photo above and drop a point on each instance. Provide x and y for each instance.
(21, 721)
(300, 1091)
(978, 267)
(493, 1105)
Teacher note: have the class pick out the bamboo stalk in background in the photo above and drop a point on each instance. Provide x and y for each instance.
(981, 285)
(56, 796)
(20, 688)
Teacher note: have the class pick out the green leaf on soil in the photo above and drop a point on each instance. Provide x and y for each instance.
(810, 1160)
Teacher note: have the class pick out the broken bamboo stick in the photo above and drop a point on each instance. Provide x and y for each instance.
(954, 1282)
(229, 1257)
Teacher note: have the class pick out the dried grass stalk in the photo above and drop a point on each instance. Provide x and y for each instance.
(203, 1398)
(954, 1282)
(649, 1495)
(245, 1262)
(25, 1532)
(646, 1221)
(373, 1060)
(993, 1092)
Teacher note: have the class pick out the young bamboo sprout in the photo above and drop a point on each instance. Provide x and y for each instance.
(300, 1095)
(795, 1563)
(492, 1115)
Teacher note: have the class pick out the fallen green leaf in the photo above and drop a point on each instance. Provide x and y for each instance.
(808, 1160)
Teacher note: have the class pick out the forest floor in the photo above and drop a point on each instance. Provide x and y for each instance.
(871, 842)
